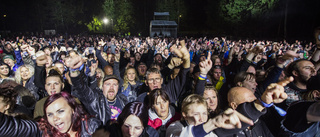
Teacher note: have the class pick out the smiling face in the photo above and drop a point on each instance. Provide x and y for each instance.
(59, 115)
(25, 73)
(161, 107)
(131, 74)
(53, 85)
(211, 97)
(4, 70)
(132, 127)
(8, 61)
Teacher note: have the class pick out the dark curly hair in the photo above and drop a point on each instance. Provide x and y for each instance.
(9, 94)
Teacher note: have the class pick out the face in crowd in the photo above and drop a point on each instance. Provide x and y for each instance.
(60, 67)
(305, 71)
(25, 73)
(161, 107)
(137, 56)
(132, 127)
(158, 59)
(131, 74)
(9, 61)
(53, 85)
(194, 110)
(154, 81)
(210, 95)
(217, 74)
(49, 62)
(111, 58)
(239, 95)
(142, 69)
(59, 115)
(133, 122)
(4, 70)
(110, 89)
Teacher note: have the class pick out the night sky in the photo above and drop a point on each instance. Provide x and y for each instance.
(303, 16)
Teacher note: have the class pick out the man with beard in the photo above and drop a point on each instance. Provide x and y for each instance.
(105, 105)
(142, 69)
(158, 59)
(301, 70)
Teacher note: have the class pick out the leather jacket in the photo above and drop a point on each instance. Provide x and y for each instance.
(32, 87)
(93, 99)
(13, 127)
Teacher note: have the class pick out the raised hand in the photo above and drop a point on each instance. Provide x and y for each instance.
(275, 92)
(174, 62)
(101, 43)
(41, 58)
(93, 68)
(229, 119)
(74, 62)
(205, 65)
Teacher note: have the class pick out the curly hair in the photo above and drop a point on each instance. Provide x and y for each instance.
(17, 76)
(79, 115)
(9, 94)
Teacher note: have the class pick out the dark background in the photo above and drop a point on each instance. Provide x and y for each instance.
(201, 18)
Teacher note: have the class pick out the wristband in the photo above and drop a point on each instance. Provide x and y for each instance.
(202, 78)
(265, 104)
(280, 111)
(77, 69)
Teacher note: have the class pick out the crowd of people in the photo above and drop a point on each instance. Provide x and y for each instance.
(159, 87)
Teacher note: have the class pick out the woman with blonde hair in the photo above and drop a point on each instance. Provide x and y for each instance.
(25, 76)
(100, 75)
(130, 83)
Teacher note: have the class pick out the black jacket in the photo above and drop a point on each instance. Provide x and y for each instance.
(13, 127)
(174, 88)
(94, 101)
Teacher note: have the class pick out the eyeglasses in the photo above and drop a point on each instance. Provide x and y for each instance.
(155, 79)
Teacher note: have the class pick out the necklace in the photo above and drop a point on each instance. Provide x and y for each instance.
(114, 102)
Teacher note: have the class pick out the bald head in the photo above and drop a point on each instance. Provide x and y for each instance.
(108, 70)
(239, 95)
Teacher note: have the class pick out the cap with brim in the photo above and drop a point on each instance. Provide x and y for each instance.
(111, 77)
(8, 57)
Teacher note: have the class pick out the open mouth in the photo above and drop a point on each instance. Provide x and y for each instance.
(59, 125)
(111, 93)
(53, 92)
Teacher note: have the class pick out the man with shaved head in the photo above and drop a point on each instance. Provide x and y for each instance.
(239, 95)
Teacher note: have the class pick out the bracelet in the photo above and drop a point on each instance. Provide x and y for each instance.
(77, 69)
(280, 111)
(265, 104)
(202, 77)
